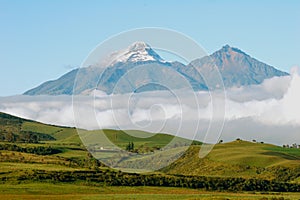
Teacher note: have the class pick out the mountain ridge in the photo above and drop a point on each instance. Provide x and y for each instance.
(236, 68)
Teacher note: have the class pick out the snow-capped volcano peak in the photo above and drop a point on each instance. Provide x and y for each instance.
(139, 46)
(136, 52)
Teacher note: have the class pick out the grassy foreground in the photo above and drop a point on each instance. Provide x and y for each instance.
(40, 161)
(74, 192)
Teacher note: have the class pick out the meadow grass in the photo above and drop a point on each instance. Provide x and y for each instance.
(89, 192)
(234, 159)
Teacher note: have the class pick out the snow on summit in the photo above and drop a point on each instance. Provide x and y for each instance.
(136, 52)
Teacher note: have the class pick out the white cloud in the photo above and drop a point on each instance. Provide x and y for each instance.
(267, 111)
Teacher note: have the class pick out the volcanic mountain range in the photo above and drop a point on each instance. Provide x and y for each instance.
(235, 66)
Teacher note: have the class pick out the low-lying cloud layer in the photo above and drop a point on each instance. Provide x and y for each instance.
(267, 112)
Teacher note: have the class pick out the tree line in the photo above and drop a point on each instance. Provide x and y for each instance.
(24, 137)
(39, 150)
(118, 178)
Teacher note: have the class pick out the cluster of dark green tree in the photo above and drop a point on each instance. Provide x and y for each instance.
(140, 149)
(130, 147)
(39, 150)
(117, 178)
(24, 137)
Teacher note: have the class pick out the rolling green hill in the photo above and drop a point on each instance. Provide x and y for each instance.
(20, 128)
(62, 156)
(64, 136)
(241, 159)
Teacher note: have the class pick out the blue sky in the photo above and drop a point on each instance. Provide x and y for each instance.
(41, 40)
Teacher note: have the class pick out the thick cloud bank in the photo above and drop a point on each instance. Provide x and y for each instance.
(267, 112)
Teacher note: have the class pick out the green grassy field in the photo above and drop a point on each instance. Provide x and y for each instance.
(70, 191)
(237, 159)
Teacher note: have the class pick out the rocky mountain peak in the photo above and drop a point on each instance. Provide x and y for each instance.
(136, 52)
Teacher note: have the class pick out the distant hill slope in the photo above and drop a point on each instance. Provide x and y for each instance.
(68, 135)
(11, 130)
(233, 159)
(241, 159)
(236, 67)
